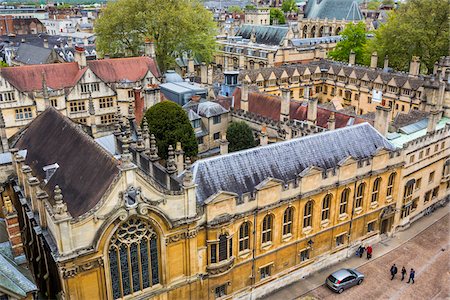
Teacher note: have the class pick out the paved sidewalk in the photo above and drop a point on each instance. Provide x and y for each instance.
(316, 279)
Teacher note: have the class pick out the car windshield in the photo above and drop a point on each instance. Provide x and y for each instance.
(332, 279)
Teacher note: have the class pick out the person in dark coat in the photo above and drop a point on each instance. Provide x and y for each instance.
(393, 271)
(369, 252)
(412, 273)
(361, 250)
(403, 273)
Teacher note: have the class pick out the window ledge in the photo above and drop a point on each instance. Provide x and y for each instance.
(373, 204)
(389, 199)
(325, 223)
(220, 267)
(244, 253)
(307, 230)
(343, 216)
(358, 210)
(266, 245)
(286, 237)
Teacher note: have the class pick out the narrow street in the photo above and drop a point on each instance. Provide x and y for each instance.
(428, 253)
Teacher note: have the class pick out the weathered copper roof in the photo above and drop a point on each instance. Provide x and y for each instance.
(128, 69)
(85, 170)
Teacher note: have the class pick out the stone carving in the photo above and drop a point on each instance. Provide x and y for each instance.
(181, 236)
(74, 270)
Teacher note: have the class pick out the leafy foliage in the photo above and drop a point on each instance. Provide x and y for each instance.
(240, 136)
(249, 7)
(416, 28)
(277, 14)
(289, 6)
(353, 38)
(176, 27)
(375, 4)
(170, 124)
(235, 9)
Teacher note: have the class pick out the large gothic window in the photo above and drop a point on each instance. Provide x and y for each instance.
(133, 258)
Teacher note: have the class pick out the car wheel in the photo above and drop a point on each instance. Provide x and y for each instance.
(340, 290)
(360, 281)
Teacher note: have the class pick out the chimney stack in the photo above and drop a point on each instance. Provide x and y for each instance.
(190, 66)
(352, 58)
(149, 48)
(374, 60)
(224, 144)
(386, 63)
(45, 43)
(12, 227)
(285, 103)
(332, 121)
(382, 119)
(433, 119)
(312, 107)
(244, 95)
(80, 57)
(414, 66)
(70, 42)
(204, 73)
(263, 137)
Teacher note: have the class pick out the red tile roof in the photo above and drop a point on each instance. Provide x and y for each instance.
(66, 75)
(269, 106)
(123, 69)
(29, 78)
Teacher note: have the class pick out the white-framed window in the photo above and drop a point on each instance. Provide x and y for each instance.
(107, 119)
(340, 240)
(371, 226)
(265, 271)
(287, 220)
(244, 236)
(217, 119)
(376, 189)
(326, 207)
(266, 234)
(304, 255)
(106, 102)
(360, 195)
(390, 185)
(307, 214)
(344, 200)
(77, 106)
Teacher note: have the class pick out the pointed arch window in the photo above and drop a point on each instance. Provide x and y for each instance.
(344, 200)
(244, 236)
(376, 189)
(360, 195)
(267, 229)
(133, 258)
(287, 220)
(307, 214)
(326, 207)
(390, 185)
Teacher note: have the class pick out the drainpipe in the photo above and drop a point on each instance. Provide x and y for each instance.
(351, 217)
(253, 253)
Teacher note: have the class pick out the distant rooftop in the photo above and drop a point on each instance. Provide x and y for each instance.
(334, 9)
(413, 131)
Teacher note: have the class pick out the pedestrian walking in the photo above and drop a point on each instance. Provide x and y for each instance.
(393, 271)
(369, 252)
(361, 250)
(412, 273)
(403, 272)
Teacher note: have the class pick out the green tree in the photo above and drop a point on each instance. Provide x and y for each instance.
(289, 6)
(353, 38)
(240, 136)
(416, 28)
(170, 124)
(249, 7)
(277, 14)
(3, 64)
(176, 26)
(235, 9)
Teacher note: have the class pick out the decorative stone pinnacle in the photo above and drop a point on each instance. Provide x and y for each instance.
(171, 166)
(60, 207)
(153, 148)
(130, 111)
(91, 105)
(187, 179)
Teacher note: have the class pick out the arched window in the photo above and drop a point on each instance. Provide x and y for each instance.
(224, 247)
(326, 207)
(287, 220)
(133, 258)
(360, 195)
(376, 189)
(407, 197)
(390, 185)
(244, 236)
(267, 229)
(344, 200)
(307, 214)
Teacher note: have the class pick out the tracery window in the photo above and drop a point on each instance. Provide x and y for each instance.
(267, 229)
(390, 185)
(133, 258)
(223, 249)
(344, 200)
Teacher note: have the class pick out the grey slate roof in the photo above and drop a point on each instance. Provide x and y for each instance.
(269, 35)
(314, 41)
(242, 171)
(33, 55)
(334, 9)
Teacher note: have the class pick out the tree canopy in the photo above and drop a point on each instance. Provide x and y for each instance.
(249, 7)
(277, 16)
(235, 9)
(416, 28)
(170, 124)
(353, 38)
(176, 26)
(240, 136)
(289, 6)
